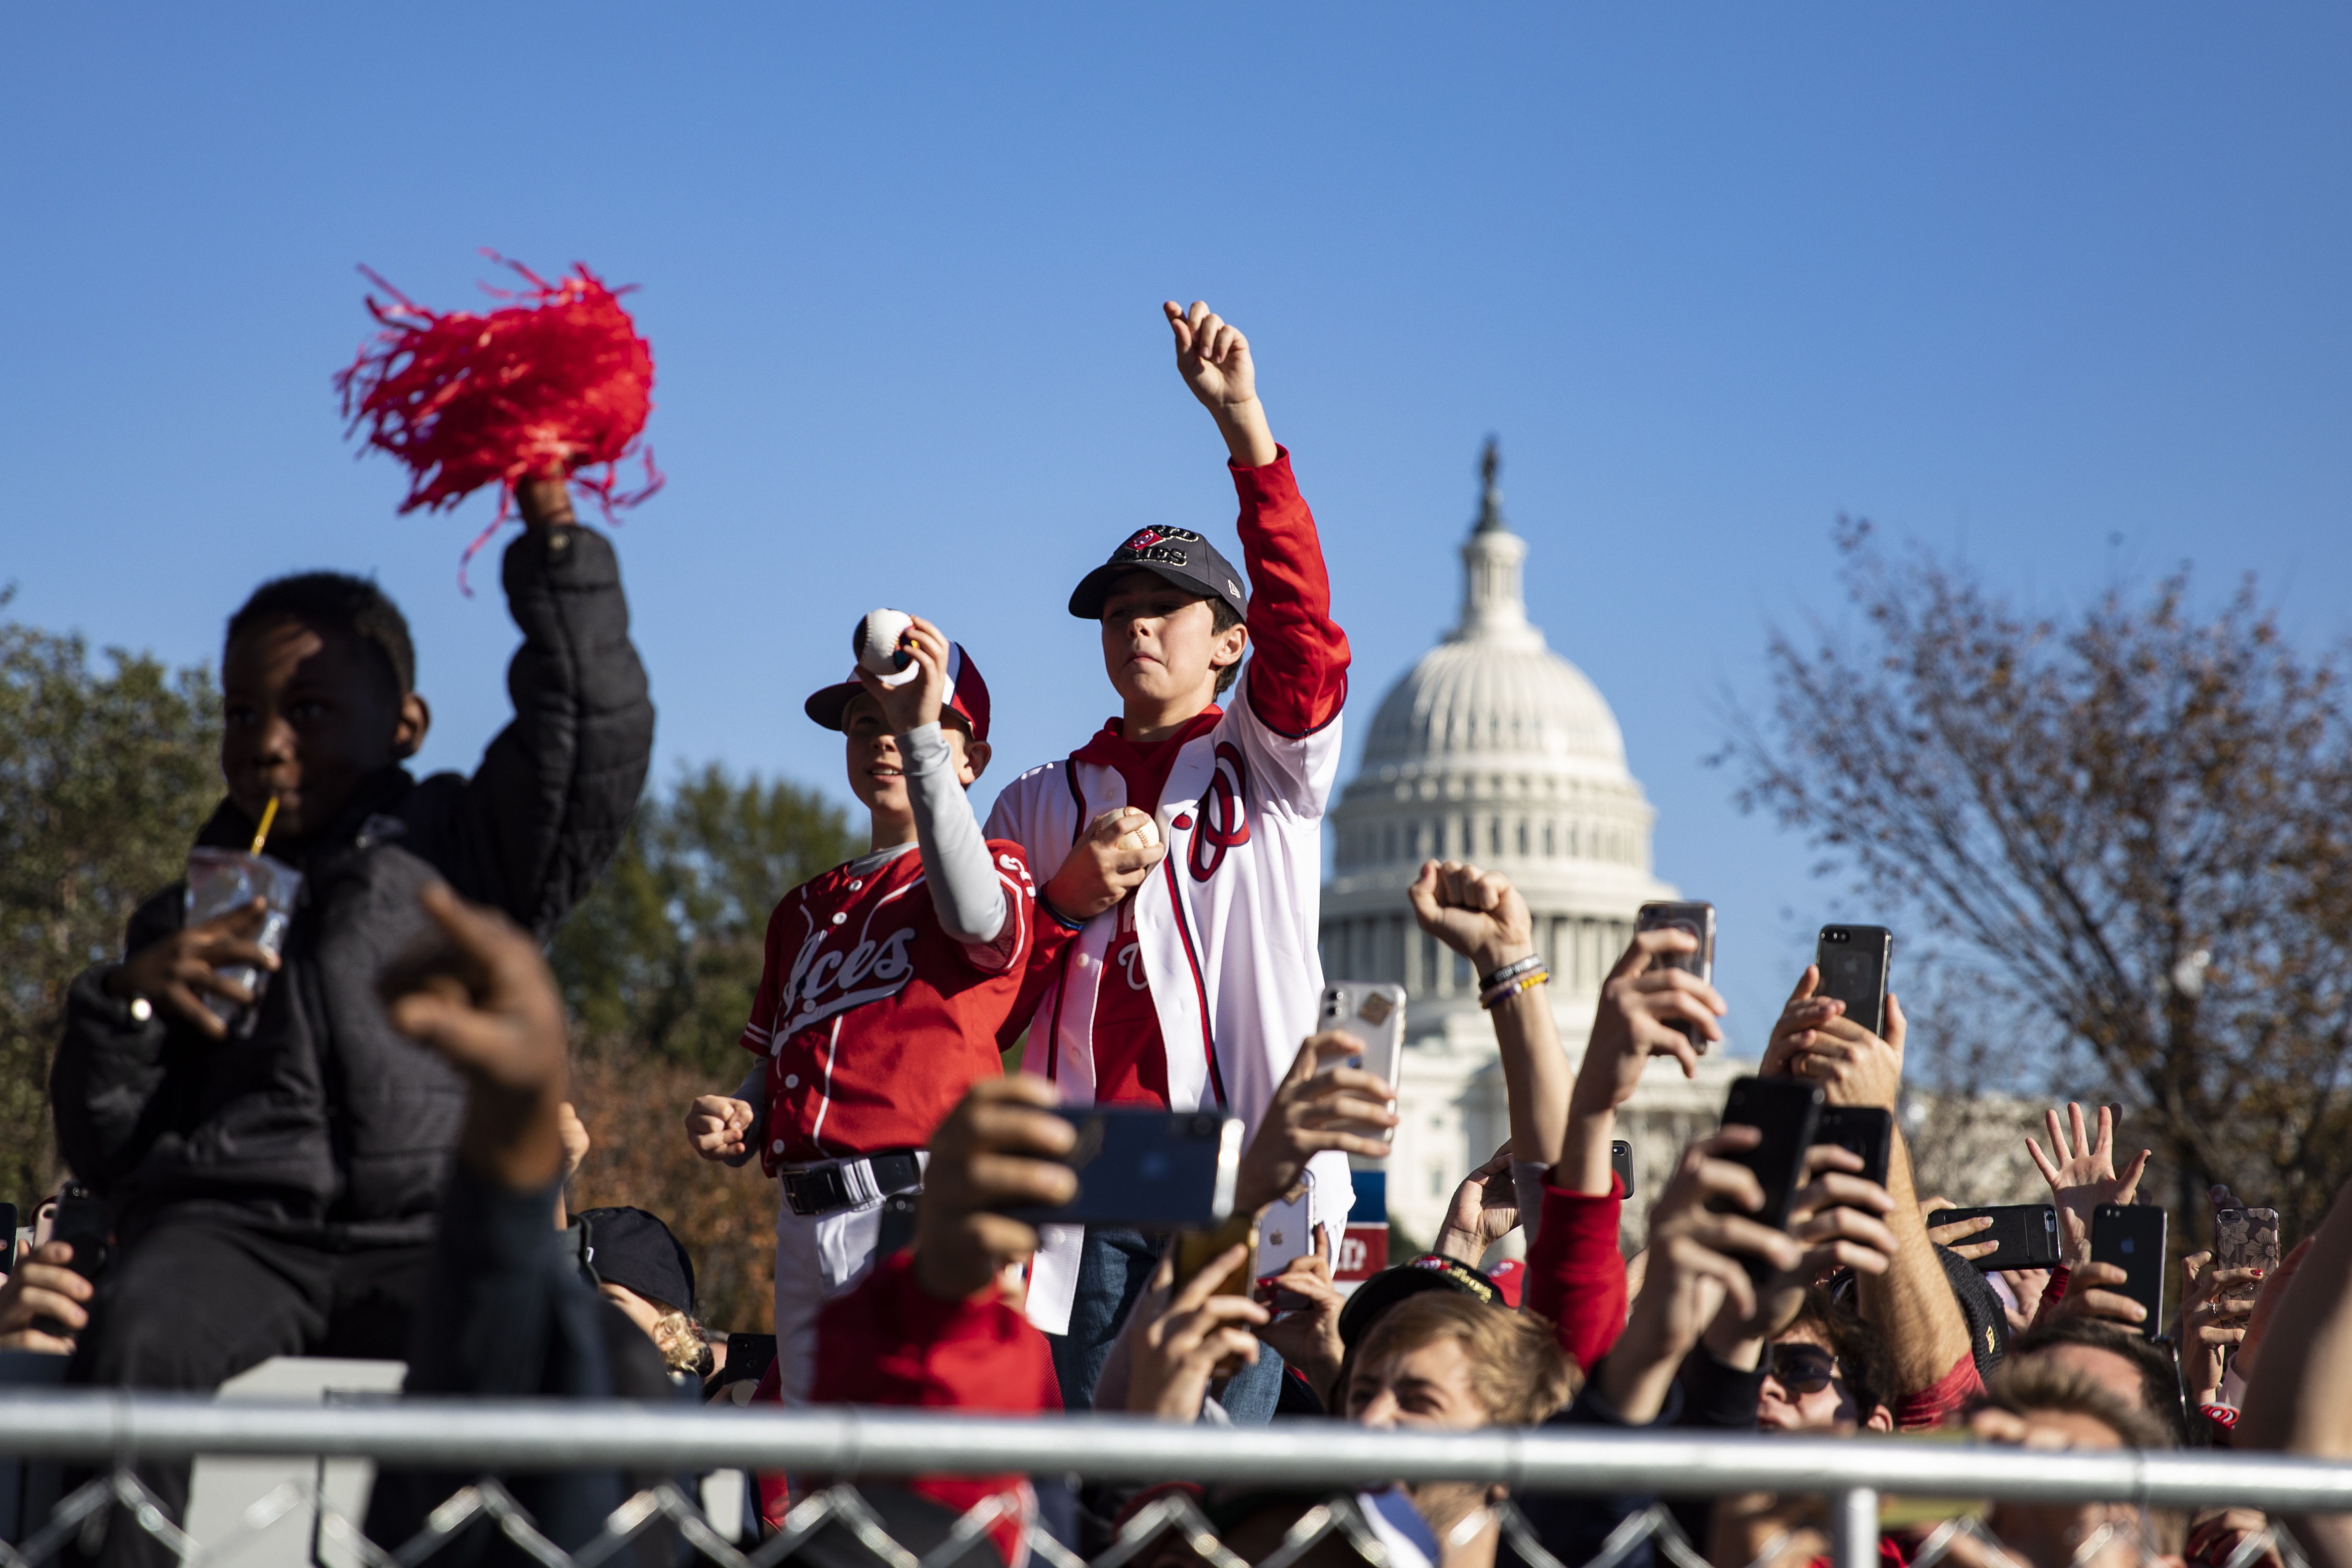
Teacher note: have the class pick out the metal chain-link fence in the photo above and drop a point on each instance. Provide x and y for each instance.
(1337, 1482)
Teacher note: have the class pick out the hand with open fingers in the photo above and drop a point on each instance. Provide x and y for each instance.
(1212, 356)
(177, 971)
(44, 1286)
(912, 704)
(1485, 1208)
(2087, 1295)
(2029, 1286)
(1476, 913)
(1955, 1234)
(1308, 1336)
(715, 1125)
(480, 994)
(1641, 1002)
(998, 1148)
(1099, 871)
(1313, 1112)
(1177, 1348)
(2211, 1326)
(2082, 1173)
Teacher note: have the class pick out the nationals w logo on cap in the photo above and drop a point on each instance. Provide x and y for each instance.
(1177, 554)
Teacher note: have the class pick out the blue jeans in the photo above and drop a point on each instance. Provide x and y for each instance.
(1115, 1266)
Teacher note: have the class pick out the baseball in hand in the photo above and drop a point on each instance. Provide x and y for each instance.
(875, 643)
(1142, 836)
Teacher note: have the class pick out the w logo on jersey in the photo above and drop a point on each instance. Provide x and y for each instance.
(1224, 821)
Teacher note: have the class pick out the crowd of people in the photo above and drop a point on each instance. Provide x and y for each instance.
(340, 1125)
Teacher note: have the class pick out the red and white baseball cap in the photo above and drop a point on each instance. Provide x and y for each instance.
(967, 695)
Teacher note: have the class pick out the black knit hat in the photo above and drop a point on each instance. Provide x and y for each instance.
(631, 1248)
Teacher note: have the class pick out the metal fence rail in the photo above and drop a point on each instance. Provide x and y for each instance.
(106, 1430)
(538, 1435)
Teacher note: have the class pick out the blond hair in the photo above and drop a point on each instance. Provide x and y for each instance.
(1516, 1369)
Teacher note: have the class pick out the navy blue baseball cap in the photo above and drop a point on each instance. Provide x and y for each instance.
(1178, 554)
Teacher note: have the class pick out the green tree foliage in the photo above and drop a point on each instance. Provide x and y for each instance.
(662, 959)
(105, 776)
(2128, 825)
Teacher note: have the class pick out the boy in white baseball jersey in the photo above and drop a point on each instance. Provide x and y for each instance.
(886, 982)
(1188, 838)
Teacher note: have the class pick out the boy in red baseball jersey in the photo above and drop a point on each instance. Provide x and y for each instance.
(886, 982)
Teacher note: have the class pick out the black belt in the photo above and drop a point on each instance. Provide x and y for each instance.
(824, 1189)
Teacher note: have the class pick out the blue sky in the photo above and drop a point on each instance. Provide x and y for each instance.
(2061, 290)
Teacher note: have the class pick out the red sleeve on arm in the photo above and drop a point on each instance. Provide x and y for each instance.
(1955, 1391)
(1298, 654)
(1576, 1277)
(2051, 1294)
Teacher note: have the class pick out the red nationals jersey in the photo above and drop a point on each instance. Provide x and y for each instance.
(873, 1019)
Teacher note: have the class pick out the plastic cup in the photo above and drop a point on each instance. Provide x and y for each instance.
(221, 880)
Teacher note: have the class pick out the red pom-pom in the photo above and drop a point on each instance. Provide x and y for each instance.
(556, 382)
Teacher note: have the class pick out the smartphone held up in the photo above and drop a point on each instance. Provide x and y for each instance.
(1168, 1169)
(1698, 921)
(1853, 964)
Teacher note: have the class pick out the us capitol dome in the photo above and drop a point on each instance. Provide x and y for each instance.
(1495, 749)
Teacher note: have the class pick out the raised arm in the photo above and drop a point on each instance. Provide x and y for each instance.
(1214, 360)
(557, 786)
(966, 893)
(2299, 1394)
(1911, 1305)
(1297, 676)
(1480, 915)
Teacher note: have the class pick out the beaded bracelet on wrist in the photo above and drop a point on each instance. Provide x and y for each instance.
(1512, 987)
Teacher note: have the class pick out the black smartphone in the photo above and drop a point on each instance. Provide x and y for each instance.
(7, 1238)
(1621, 1159)
(1865, 1129)
(2132, 1237)
(1852, 960)
(2026, 1235)
(1784, 1110)
(1165, 1170)
(1699, 919)
(81, 1220)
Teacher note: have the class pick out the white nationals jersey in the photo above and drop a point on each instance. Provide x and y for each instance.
(1227, 923)
(873, 1019)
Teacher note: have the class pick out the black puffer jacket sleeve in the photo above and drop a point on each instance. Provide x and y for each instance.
(110, 1064)
(530, 830)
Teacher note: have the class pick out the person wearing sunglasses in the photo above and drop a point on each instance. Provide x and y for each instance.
(1823, 1374)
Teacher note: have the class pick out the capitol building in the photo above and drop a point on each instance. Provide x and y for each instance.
(1496, 750)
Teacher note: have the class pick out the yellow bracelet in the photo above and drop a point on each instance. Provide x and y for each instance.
(1511, 988)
